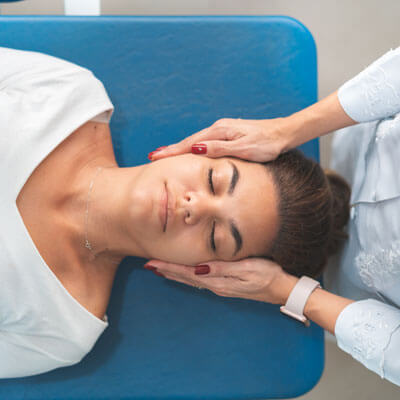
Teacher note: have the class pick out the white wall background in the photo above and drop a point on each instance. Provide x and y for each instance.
(349, 35)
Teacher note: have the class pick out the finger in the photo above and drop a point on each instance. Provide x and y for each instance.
(185, 145)
(216, 148)
(222, 269)
(226, 276)
(236, 147)
(177, 269)
(187, 281)
(242, 148)
(225, 285)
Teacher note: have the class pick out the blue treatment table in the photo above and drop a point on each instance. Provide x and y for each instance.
(169, 77)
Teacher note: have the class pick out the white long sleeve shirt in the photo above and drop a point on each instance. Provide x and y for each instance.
(43, 99)
(368, 267)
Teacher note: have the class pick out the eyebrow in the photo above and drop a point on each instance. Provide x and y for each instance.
(234, 230)
(235, 178)
(237, 236)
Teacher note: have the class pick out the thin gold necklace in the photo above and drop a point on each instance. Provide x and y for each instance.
(87, 244)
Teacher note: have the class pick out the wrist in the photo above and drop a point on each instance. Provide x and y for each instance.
(322, 307)
(292, 130)
(300, 128)
(283, 286)
(317, 120)
(279, 132)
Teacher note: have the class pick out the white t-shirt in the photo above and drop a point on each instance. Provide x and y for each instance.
(43, 99)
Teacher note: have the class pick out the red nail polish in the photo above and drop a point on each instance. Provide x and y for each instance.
(150, 156)
(150, 267)
(199, 148)
(158, 273)
(202, 270)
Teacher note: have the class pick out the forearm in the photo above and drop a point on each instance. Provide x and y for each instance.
(371, 95)
(322, 307)
(317, 120)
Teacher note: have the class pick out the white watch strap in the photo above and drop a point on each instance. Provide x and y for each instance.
(298, 298)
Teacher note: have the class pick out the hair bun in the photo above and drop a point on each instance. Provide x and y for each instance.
(341, 193)
(313, 210)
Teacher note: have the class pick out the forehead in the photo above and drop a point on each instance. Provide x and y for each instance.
(254, 206)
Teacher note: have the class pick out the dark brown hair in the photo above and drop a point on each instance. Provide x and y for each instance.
(313, 210)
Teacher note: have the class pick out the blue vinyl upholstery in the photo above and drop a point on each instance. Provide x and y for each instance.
(169, 77)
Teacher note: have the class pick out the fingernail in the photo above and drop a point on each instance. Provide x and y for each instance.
(202, 270)
(159, 273)
(150, 267)
(150, 155)
(199, 148)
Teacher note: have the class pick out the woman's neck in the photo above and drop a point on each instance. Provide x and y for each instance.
(104, 230)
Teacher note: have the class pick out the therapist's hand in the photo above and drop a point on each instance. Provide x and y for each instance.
(254, 140)
(263, 140)
(251, 278)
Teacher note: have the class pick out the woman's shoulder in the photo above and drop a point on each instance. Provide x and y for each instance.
(22, 68)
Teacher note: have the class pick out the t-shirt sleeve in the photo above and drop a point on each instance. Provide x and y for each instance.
(20, 356)
(20, 67)
(374, 93)
(47, 82)
(43, 99)
(369, 330)
(103, 117)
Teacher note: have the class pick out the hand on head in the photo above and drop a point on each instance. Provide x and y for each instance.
(256, 278)
(254, 140)
(251, 278)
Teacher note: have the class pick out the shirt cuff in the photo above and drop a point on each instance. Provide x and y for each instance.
(374, 93)
(364, 329)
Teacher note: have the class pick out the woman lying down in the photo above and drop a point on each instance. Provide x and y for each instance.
(70, 214)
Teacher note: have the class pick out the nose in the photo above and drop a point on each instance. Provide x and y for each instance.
(197, 206)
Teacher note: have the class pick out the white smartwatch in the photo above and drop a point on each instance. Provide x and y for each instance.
(298, 298)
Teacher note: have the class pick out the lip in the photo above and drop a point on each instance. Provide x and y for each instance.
(163, 210)
(170, 206)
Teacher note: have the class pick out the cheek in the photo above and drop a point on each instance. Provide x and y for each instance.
(188, 174)
(185, 248)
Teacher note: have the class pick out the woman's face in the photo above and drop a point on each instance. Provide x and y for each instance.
(192, 209)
